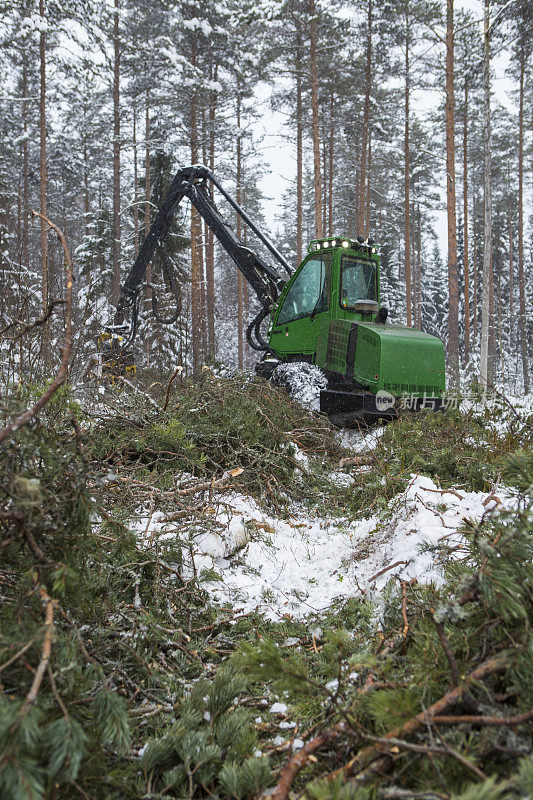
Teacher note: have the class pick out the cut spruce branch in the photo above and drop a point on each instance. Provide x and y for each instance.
(61, 374)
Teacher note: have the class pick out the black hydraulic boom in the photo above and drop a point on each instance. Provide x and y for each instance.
(265, 280)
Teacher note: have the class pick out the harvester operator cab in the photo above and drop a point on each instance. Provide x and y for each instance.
(339, 279)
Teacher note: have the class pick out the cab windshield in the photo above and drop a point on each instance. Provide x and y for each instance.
(309, 292)
(358, 281)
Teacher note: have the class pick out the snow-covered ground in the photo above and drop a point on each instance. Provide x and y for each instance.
(302, 565)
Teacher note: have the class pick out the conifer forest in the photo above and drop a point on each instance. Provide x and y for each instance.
(266, 414)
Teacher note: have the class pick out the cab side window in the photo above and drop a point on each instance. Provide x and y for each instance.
(309, 294)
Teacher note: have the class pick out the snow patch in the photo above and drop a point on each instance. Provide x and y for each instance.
(299, 566)
(303, 382)
(278, 708)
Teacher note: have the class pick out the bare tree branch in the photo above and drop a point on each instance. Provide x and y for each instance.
(61, 375)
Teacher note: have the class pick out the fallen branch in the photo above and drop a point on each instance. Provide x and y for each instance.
(31, 697)
(295, 764)
(426, 749)
(386, 569)
(361, 764)
(358, 461)
(136, 389)
(17, 655)
(444, 491)
(404, 608)
(454, 669)
(28, 326)
(395, 793)
(61, 375)
(169, 385)
(473, 719)
(225, 480)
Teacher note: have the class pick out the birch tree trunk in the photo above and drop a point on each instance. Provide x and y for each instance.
(521, 285)
(319, 231)
(453, 290)
(487, 206)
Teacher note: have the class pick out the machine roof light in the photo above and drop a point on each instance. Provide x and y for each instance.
(346, 244)
(326, 244)
(317, 245)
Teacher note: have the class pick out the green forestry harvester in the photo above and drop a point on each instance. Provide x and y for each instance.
(326, 313)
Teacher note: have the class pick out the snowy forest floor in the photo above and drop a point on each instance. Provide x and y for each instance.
(218, 594)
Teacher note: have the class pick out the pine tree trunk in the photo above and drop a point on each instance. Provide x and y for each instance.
(368, 174)
(210, 240)
(465, 236)
(453, 288)
(326, 184)
(43, 181)
(366, 123)
(487, 205)
(319, 231)
(201, 252)
(25, 167)
(299, 164)
(418, 309)
(407, 177)
(196, 281)
(521, 284)
(240, 308)
(147, 193)
(330, 169)
(474, 261)
(511, 260)
(116, 154)
(86, 191)
(135, 187)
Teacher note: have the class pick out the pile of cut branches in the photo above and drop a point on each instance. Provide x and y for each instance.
(214, 426)
(437, 701)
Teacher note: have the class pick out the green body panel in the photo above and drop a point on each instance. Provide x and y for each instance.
(349, 344)
(387, 357)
